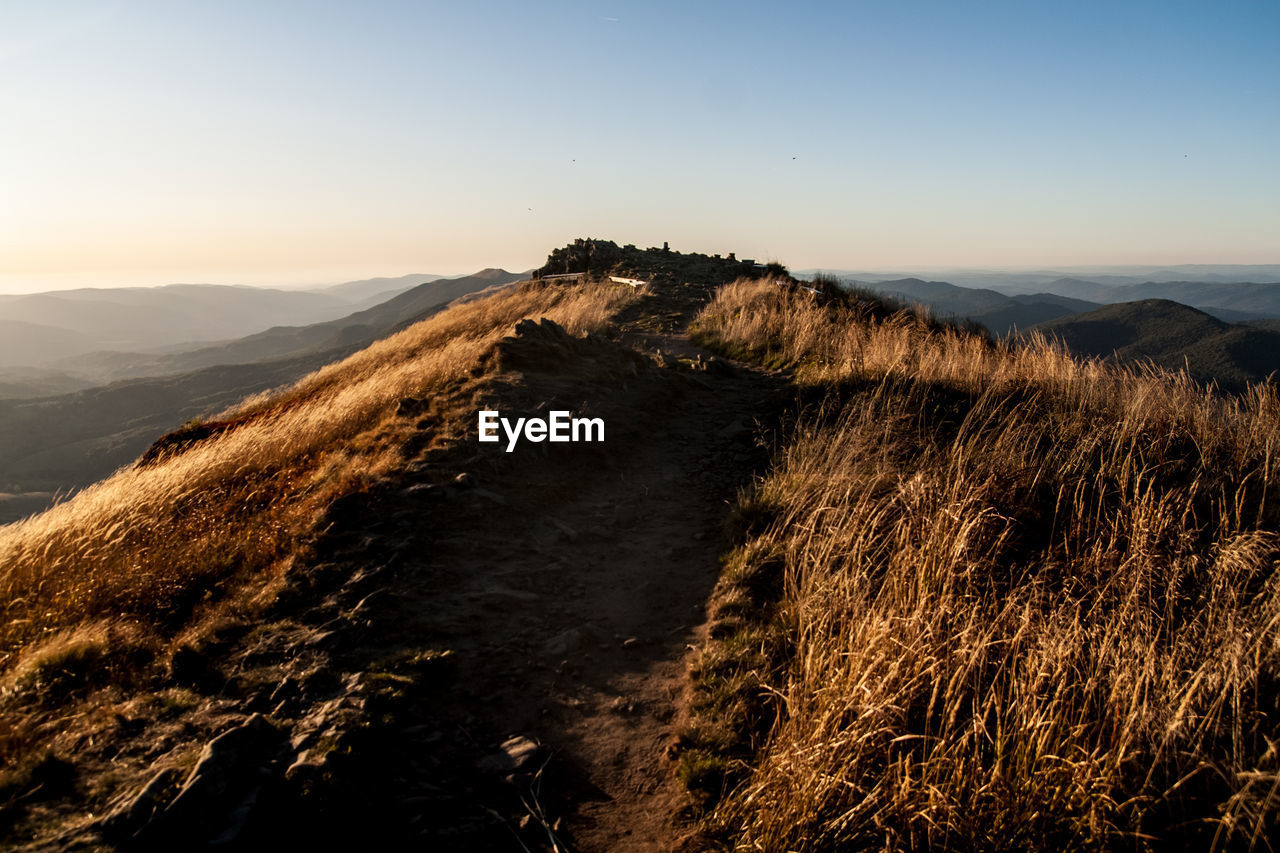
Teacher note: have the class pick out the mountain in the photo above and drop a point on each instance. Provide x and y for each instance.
(43, 329)
(20, 382)
(943, 298)
(799, 576)
(997, 312)
(1259, 299)
(26, 343)
(1085, 290)
(67, 441)
(378, 289)
(1046, 298)
(1175, 336)
(1027, 281)
(1185, 323)
(351, 330)
(148, 317)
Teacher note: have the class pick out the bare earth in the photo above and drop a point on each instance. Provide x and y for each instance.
(486, 651)
(568, 583)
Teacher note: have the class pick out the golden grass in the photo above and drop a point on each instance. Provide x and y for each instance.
(152, 546)
(1031, 601)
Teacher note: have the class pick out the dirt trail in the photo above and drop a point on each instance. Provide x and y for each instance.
(486, 650)
(568, 587)
(482, 651)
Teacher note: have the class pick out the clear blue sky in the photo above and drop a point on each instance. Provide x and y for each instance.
(234, 141)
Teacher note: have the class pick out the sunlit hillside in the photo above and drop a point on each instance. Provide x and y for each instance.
(837, 577)
(990, 597)
(107, 587)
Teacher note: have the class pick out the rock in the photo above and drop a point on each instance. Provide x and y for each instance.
(426, 491)
(138, 811)
(317, 639)
(347, 508)
(464, 481)
(308, 765)
(215, 802)
(489, 496)
(516, 754)
(355, 684)
(573, 640)
(196, 668)
(364, 605)
(285, 690)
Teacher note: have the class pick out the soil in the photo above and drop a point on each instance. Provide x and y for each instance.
(486, 651)
(561, 588)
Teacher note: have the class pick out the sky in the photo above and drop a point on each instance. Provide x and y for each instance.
(306, 142)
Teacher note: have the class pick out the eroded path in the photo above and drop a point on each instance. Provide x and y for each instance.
(567, 583)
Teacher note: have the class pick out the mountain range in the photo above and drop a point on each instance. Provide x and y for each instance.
(1221, 332)
(1174, 336)
(837, 579)
(60, 442)
(1012, 282)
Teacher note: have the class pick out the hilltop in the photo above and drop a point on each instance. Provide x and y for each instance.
(839, 576)
(236, 569)
(1174, 336)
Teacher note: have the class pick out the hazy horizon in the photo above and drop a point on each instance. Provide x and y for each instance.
(318, 280)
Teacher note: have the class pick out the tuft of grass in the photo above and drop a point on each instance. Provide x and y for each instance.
(75, 659)
(705, 773)
(1026, 601)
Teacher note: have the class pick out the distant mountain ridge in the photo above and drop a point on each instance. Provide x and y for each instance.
(1238, 299)
(1223, 332)
(148, 317)
(55, 341)
(1019, 281)
(1175, 336)
(998, 312)
(380, 289)
(68, 440)
(1002, 308)
(353, 330)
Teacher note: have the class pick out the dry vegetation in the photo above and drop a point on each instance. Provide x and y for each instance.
(105, 588)
(990, 598)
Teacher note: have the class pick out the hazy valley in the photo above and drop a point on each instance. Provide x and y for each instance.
(122, 401)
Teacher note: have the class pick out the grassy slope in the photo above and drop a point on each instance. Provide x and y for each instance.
(990, 598)
(67, 441)
(100, 592)
(117, 600)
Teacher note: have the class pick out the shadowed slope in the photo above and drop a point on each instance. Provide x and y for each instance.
(1173, 336)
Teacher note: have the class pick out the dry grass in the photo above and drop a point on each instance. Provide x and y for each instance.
(1029, 602)
(149, 553)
